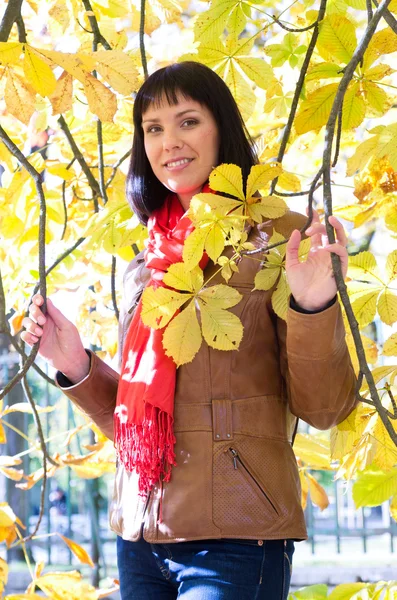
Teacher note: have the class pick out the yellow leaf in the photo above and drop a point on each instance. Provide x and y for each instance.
(270, 207)
(118, 69)
(313, 451)
(363, 267)
(391, 265)
(11, 227)
(101, 100)
(314, 111)
(228, 179)
(193, 248)
(219, 296)
(304, 488)
(241, 90)
(386, 451)
(360, 158)
(337, 38)
(257, 70)
(78, 551)
(266, 277)
(159, 306)
(19, 99)
(10, 52)
(3, 572)
(317, 493)
(387, 307)
(280, 297)
(382, 42)
(182, 338)
(325, 70)
(261, 175)
(289, 181)
(353, 107)
(68, 585)
(215, 242)
(222, 329)
(14, 474)
(38, 73)
(393, 507)
(62, 97)
(363, 298)
(376, 98)
(180, 278)
(390, 346)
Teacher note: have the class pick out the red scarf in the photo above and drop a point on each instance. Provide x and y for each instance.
(143, 419)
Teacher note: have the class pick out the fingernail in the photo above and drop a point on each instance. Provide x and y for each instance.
(41, 320)
(37, 330)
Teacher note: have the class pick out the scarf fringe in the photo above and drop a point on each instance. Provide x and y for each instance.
(147, 447)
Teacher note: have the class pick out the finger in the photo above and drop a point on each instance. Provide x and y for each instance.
(316, 233)
(292, 252)
(38, 299)
(36, 314)
(339, 229)
(32, 327)
(28, 338)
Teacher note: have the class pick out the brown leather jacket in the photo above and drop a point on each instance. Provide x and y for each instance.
(235, 414)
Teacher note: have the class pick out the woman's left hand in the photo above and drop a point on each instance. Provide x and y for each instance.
(312, 282)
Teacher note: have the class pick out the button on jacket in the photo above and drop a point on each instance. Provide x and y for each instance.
(235, 414)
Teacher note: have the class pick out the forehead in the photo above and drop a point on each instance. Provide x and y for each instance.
(162, 107)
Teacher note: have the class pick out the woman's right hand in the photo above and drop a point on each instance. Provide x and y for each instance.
(60, 343)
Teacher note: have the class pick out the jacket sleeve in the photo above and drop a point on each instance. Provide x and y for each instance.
(316, 367)
(95, 395)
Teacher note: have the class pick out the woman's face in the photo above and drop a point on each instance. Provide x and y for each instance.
(182, 145)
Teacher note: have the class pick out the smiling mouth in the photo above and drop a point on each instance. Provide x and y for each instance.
(178, 163)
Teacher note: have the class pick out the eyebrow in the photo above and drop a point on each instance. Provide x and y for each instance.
(179, 114)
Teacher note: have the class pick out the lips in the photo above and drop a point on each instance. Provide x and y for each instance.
(177, 162)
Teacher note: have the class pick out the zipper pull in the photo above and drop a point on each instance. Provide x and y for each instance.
(235, 456)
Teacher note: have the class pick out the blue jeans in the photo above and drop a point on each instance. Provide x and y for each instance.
(205, 570)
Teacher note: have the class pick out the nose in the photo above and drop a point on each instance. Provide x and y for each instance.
(171, 141)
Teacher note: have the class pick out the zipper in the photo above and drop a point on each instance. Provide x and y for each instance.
(237, 460)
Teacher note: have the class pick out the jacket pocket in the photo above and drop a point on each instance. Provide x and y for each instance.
(239, 462)
(246, 502)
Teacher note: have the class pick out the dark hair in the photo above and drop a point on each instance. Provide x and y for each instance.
(193, 80)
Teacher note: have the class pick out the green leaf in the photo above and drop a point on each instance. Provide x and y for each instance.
(374, 486)
(353, 111)
(323, 70)
(222, 329)
(266, 278)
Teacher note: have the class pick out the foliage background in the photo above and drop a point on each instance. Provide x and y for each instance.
(306, 75)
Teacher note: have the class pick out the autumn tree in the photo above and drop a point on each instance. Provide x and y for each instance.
(309, 78)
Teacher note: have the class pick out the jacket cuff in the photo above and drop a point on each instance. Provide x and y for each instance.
(295, 306)
(63, 382)
(315, 336)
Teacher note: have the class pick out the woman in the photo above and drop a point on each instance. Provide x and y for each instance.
(217, 515)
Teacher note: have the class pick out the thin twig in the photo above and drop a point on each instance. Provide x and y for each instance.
(293, 29)
(338, 136)
(116, 166)
(298, 90)
(142, 40)
(98, 37)
(113, 286)
(291, 194)
(79, 157)
(101, 165)
(65, 209)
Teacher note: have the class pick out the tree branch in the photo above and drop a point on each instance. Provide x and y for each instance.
(388, 17)
(21, 30)
(329, 136)
(101, 165)
(292, 29)
(11, 14)
(116, 166)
